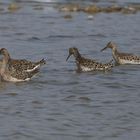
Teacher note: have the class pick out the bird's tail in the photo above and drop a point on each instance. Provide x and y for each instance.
(42, 61)
(109, 65)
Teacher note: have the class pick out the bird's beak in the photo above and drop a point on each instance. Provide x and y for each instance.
(104, 48)
(68, 56)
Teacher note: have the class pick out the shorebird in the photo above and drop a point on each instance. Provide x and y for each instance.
(84, 64)
(16, 70)
(122, 58)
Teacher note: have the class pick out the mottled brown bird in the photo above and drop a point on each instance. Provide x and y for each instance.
(84, 64)
(15, 70)
(122, 58)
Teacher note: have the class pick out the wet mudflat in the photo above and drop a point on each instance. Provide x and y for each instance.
(60, 103)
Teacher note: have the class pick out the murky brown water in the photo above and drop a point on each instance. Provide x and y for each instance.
(60, 103)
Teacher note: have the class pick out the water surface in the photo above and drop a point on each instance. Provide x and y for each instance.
(60, 103)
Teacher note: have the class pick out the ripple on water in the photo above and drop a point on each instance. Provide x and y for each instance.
(12, 94)
(60, 103)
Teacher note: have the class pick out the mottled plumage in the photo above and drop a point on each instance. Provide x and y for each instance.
(84, 64)
(122, 58)
(25, 64)
(17, 70)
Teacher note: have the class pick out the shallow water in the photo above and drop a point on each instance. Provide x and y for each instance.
(60, 103)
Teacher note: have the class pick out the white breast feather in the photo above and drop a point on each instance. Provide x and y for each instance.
(86, 68)
(130, 62)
